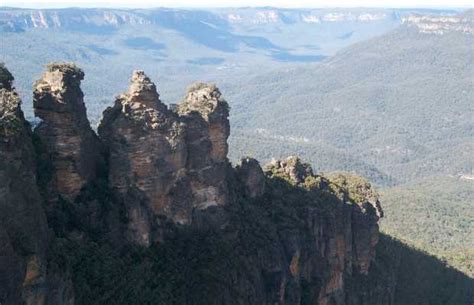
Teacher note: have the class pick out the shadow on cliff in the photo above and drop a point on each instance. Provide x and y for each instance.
(246, 257)
(420, 278)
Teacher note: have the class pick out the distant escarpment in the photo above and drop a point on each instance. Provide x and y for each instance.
(150, 210)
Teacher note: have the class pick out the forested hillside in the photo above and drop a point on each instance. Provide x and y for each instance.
(401, 103)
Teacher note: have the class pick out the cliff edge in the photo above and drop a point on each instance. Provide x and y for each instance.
(151, 210)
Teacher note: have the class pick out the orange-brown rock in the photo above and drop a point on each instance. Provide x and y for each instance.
(302, 239)
(206, 113)
(147, 157)
(23, 228)
(73, 147)
(344, 239)
(366, 211)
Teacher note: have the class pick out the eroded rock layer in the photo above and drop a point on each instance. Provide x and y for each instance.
(147, 158)
(206, 113)
(72, 146)
(24, 235)
(242, 235)
(343, 238)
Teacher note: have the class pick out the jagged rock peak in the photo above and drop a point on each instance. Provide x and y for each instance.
(203, 98)
(141, 104)
(147, 160)
(65, 130)
(142, 91)
(59, 77)
(204, 102)
(69, 69)
(291, 168)
(58, 90)
(23, 260)
(6, 78)
(251, 176)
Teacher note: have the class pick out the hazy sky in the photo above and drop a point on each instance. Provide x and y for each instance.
(233, 3)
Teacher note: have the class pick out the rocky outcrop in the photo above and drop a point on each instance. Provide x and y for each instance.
(251, 176)
(23, 228)
(366, 211)
(206, 113)
(344, 239)
(292, 168)
(282, 236)
(73, 147)
(165, 163)
(147, 158)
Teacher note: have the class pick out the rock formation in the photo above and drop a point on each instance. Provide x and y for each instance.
(345, 238)
(24, 233)
(147, 160)
(366, 211)
(292, 168)
(72, 146)
(165, 163)
(251, 176)
(288, 235)
(206, 113)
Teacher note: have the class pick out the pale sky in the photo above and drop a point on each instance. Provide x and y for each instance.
(238, 3)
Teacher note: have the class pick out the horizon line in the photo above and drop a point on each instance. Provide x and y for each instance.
(436, 7)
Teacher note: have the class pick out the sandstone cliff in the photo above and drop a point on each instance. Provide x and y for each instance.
(344, 237)
(152, 211)
(24, 233)
(166, 164)
(206, 113)
(72, 146)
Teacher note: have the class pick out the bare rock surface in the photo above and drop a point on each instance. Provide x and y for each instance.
(73, 147)
(148, 155)
(251, 176)
(23, 227)
(303, 238)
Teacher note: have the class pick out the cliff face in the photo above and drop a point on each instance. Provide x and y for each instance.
(147, 158)
(440, 25)
(24, 233)
(343, 239)
(166, 164)
(72, 146)
(206, 113)
(281, 236)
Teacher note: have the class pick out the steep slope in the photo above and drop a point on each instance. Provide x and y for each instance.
(25, 275)
(72, 147)
(409, 90)
(442, 209)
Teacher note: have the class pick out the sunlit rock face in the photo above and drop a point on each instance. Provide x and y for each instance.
(284, 235)
(73, 148)
(23, 228)
(147, 157)
(174, 162)
(205, 114)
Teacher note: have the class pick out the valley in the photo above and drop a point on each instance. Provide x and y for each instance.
(385, 94)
